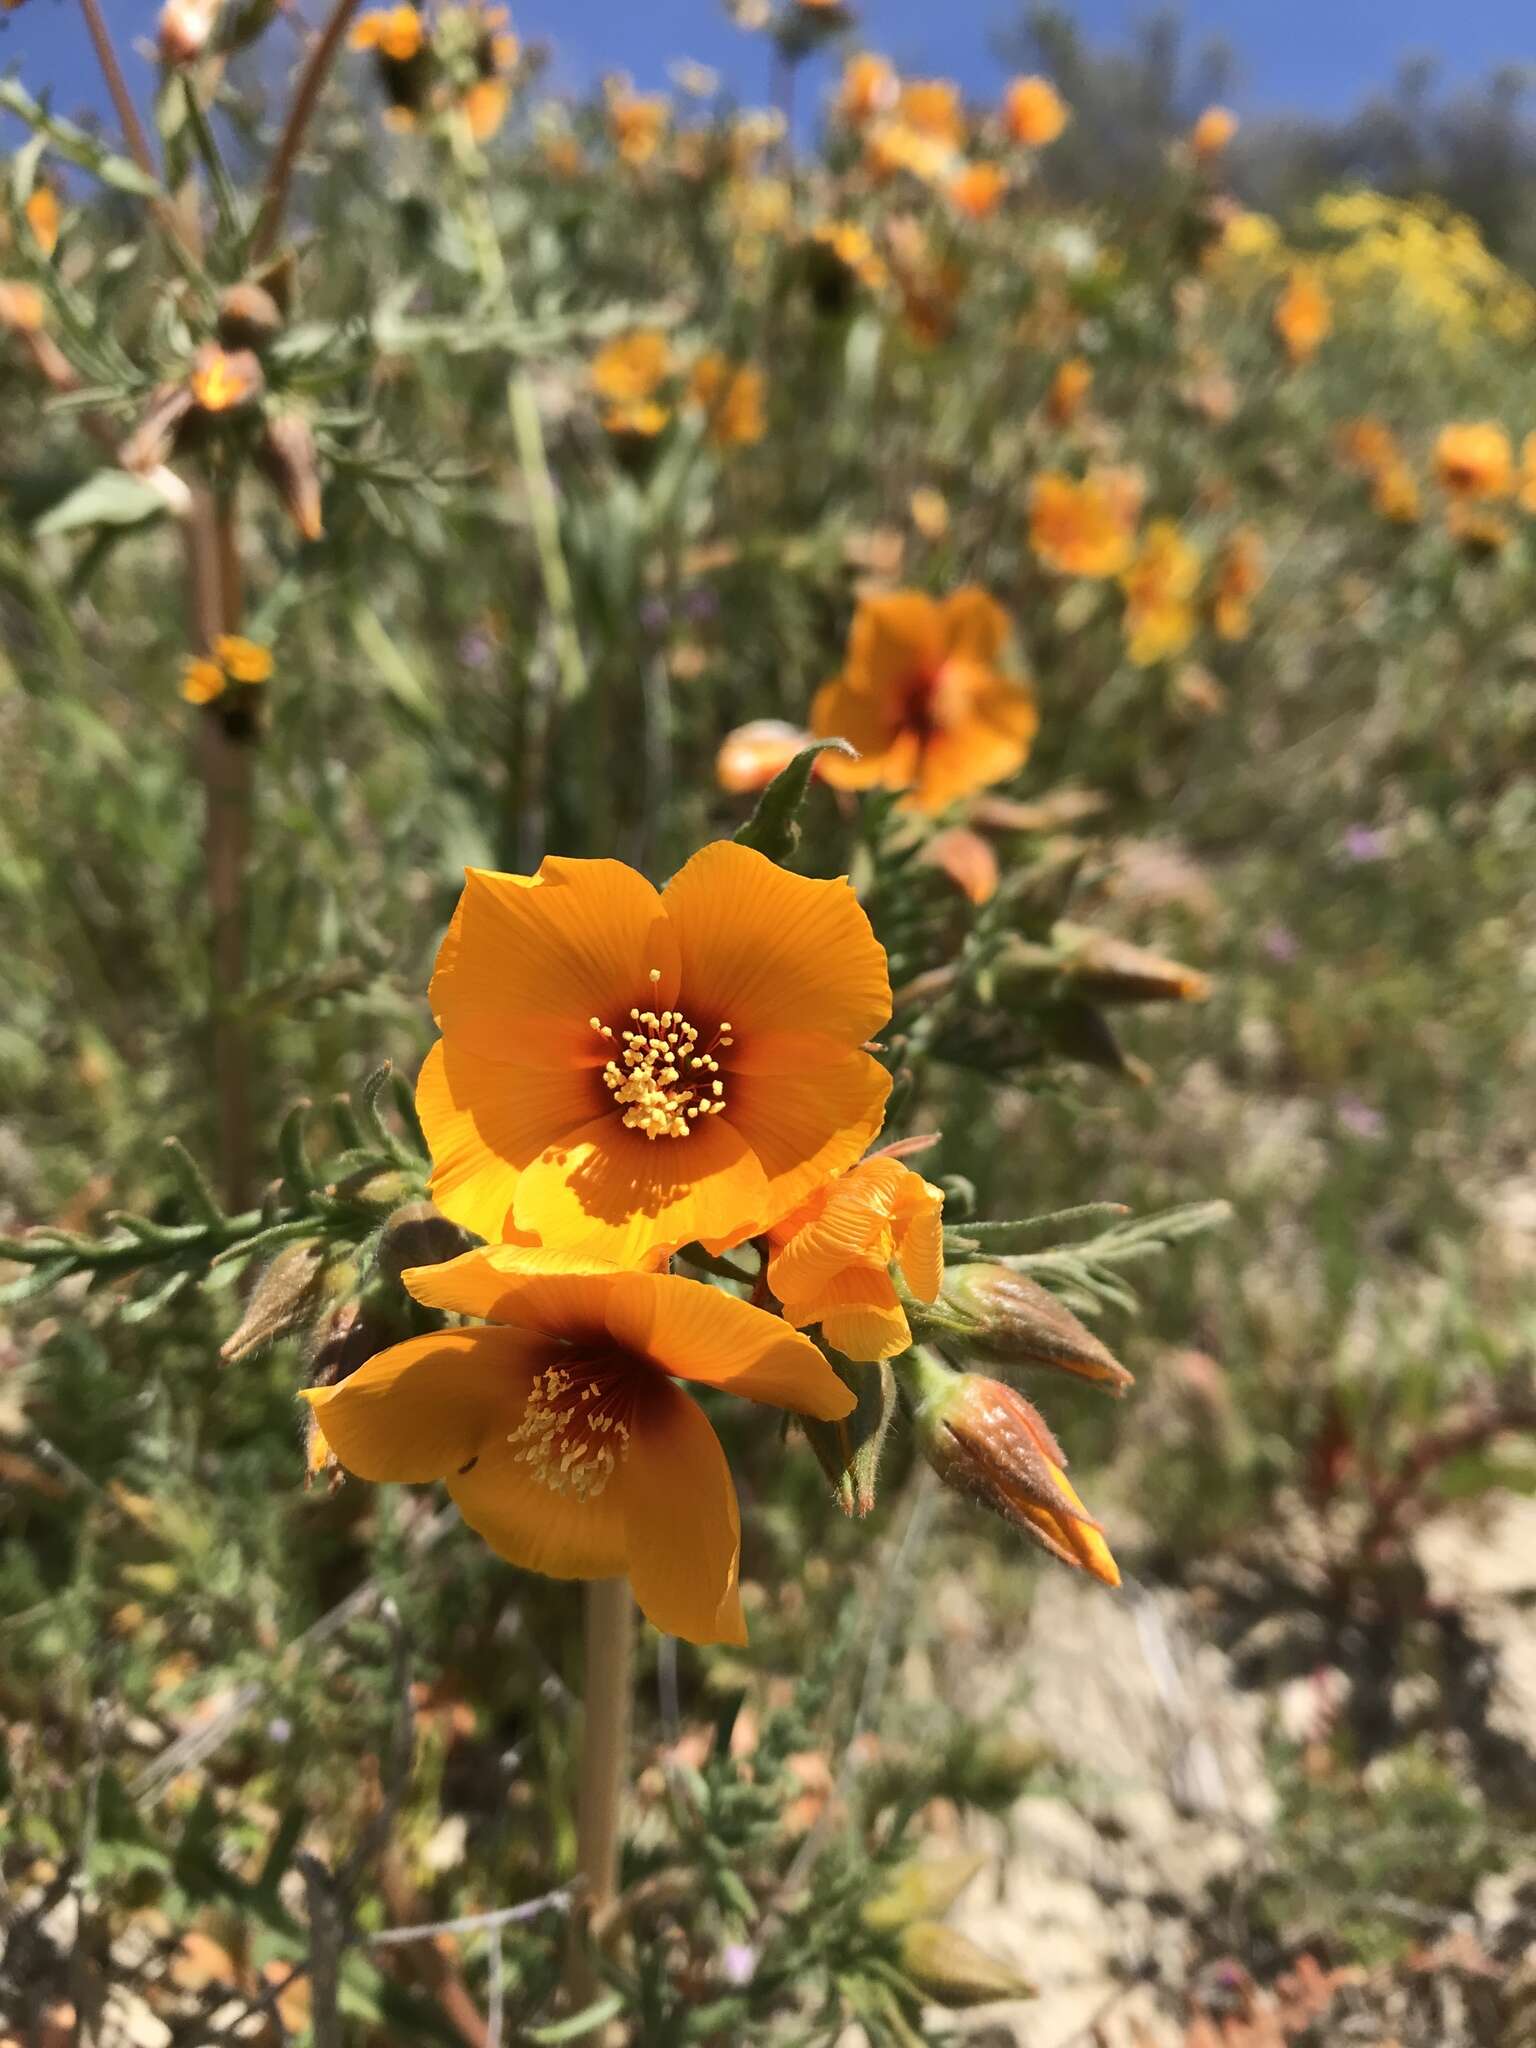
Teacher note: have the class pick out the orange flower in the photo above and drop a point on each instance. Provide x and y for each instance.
(637, 124)
(621, 1069)
(1303, 315)
(1212, 132)
(1480, 531)
(1069, 387)
(924, 700)
(1159, 586)
(397, 33)
(1474, 460)
(23, 309)
(560, 1432)
(868, 87)
(223, 380)
(830, 1261)
(1240, 576)
(751, 756)
(1528, 474)
(731, 397)
(485, 107)
(976, 190)
(1366, 444)
(966, 858)
(931, 107)
(1034, 113)
(850, 247)
(1396, 494)
(891, 146)
(628, 373)
(42, 217)
(234, 660)
(1083, 529)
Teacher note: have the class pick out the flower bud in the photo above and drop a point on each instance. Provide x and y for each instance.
(418, 1234)
(287, 458)
(924, 1889)
(154, 439)
(283, 1301)
(184, 29)
(949, 1968)
(249, 316)
(985, 1440)
(1002, 1317)
(1110, 970)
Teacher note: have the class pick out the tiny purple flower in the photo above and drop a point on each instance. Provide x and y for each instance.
(655, 616)
(738, 1962)
(1358, 1118)
(1281, 944)
(475, 648)
(1364, 843)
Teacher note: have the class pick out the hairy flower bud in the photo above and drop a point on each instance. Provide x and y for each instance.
(1002, 1317)
(283, 1301)
(953, 1971)
(985, 1440)
(249, 316)
(924, 1889)
(1111, 970)
(419, 1234)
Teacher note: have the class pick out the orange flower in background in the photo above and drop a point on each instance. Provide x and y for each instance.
(850, 247)
(1034, 113)
(627, 373)
(751, 756)
(1241, 574)
(931, 107)
(1527, 494)
(396, 33)
(41, 213)
(1396, 494)
(1366, 444)
(1159, 586)
(930, 512)
(1474, 460)
(637, 124)
(1083, 529)
(731, 397)
(830, 1261)
(868, 87)
(891, 146)
(1303, 315)
(1069, 387)
(560, 1432)
(977, 190)
(234, 660)
(23, 309)
(1479, 530)
(224, 380)
(966, 858)
(1212, 132)
(622, 1069)
(923, 698)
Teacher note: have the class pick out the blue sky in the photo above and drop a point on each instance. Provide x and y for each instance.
(1313, 55)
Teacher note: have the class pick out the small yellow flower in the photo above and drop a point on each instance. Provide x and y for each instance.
(932, 107)
(930, 512)
(1303, 315)
(1159, 588)
(731, 398)
(234, 660)
(201, 680)
(1212, 132)
(891, 146)
(1034, 113)
(396, 33)
(1396, 494)
(223, 380)
(1474, 460)
(830, 1261)
(628, 373)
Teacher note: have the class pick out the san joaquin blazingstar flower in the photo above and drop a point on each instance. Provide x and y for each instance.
(924, 698)
(622, 1068)
(830, 1262)
(1087, 527)
(559, 1430)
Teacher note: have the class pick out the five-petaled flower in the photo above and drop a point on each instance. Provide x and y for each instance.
(830, 1261)
(560, 1432)
(1084, 528)
(925, 700)
(1473, 459)
(623, 1069)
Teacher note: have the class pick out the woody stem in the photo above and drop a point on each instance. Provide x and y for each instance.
(607, 1685)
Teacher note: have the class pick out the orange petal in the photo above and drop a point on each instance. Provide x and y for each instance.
(563, 1294)
(423, 1408)
(769, 950)
(972, 756)
(861, 1316)
(895, 637)
(805, 1127)
(920, 1238)
(843, 711)
(696, 1332)
(528, 1524)
(682, 1532)
(529, 959)
(853, 1228)
(618, 1195)
(486, 1120)
(975, 627)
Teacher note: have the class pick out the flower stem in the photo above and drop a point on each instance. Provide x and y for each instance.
(607, 1685)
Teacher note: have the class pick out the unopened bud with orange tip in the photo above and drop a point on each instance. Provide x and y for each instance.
(224, 380)
(1004, 1318)
(985, 1440)
(249, 316)
(184, 29)
(287, 457)
(1111, 970)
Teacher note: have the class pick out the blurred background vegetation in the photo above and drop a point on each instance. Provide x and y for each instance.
(522, 631)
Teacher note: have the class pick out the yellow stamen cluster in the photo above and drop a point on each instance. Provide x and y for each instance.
(663, 1077)
(570, 1437)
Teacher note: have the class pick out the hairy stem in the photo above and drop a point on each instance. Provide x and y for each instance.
(274, 204)
(117, 88)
